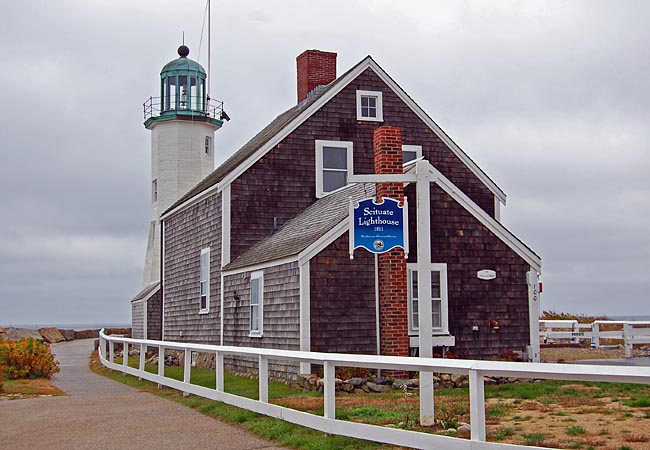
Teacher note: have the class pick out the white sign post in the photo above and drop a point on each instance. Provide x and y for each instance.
(423, 179)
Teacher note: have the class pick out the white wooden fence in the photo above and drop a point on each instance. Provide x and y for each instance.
(630, 332)
(328, 423)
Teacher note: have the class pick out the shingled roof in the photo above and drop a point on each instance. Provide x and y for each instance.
(261, 138)
(304, 229)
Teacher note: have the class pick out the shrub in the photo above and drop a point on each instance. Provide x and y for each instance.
(1, 379)
(27, 358)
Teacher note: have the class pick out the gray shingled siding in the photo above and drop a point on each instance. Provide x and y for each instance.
(281, 317)
(185, 234)
(137, 320)
(154, 316)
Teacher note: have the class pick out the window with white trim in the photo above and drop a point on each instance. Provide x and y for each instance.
(257, 304)
(439, 299)
(370, 106)
(333, 165)
(204, 283)
(154, 190)
(411, 152)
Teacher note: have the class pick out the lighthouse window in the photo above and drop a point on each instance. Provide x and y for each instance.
(182, 92)
(154, 190)
(171, 92)
(208, 145)
(194, 94)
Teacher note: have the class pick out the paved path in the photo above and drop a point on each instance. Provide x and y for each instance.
(642, 361)
(99, 413)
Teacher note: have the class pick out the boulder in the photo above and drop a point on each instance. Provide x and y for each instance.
(86, 334)
(408, 384)
(374, 387)
(347, 387)
(356, 382)
(51, 335)
(16, 334)
(67, 334)
(464, 431)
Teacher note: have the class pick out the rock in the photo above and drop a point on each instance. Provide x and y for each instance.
(460, 381)
(374, 387)
(489, 381)
(16, 334)
(384, 381)
(86, 334)
(301, 379)
(365, 389)
(67, 334)
(347, 387)
(338, 382)
(464, 431)
(408, 384)
(320, 382)
(51, 335)
(356, 381)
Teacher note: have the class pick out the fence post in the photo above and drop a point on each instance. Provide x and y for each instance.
(187, 369)
(111, 351)
(125, 356)
(627, 335)
(595, 335)
(218, 368)
(264, 378)
(143, 356)
(477, 405)
(329, 391)
(161, 363)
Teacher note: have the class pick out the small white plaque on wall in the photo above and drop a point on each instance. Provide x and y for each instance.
(486, 274)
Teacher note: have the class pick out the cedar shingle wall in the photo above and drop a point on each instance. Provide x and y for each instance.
(467, 246)
(154, 316)
(343, 300)
(282, 183)
(137, 320)
(185, 234)
(281, 317)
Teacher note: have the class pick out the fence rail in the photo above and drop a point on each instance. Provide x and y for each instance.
(630, 332)
(328, 423)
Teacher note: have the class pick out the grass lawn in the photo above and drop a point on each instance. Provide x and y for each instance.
(554, 414)
(17, 389)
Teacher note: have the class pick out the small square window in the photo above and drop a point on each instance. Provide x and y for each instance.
(369, 106)
(411, 152)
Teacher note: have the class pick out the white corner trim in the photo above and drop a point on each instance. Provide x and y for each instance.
(306, 114)
(497, 209)
(497, 228)
(221, 310)
(190, 201)
(325, 240)
(305, 314)
(532, 277)
(379, 106)
(438, 131)
(162, 279)
(225, 226)
(261, 266)
(343, 82)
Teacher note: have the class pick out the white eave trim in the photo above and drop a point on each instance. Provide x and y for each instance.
(495, 227)
(308, 112)
(261, 266)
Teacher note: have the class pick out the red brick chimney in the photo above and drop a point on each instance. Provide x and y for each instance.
(315, 68)
(393, 293)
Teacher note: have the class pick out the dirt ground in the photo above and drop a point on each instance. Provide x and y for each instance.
(591, 422)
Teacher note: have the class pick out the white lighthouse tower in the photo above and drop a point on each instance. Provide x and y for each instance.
(182, 121)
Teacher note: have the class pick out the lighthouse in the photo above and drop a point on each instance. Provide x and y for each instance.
(182, 121)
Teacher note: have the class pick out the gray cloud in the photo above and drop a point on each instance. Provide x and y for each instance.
(551, 99)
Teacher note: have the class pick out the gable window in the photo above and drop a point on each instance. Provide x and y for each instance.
(204, 282)
(439, 319)
(411, 152)
(333, 165)
(257, 304)
(370, 106)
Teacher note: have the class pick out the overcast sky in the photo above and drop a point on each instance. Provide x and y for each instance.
(551, 99)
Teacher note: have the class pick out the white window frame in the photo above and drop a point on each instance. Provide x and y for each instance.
(319, 163)
(154, 190)
(412, 148)
(259, 275)
(204, 260)
(380, 108)
(444, 300)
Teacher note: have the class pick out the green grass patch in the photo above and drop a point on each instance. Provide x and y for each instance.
(575, 430)
(534, 439)
(642, 402)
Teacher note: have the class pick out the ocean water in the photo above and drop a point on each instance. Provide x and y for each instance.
(68, 326)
